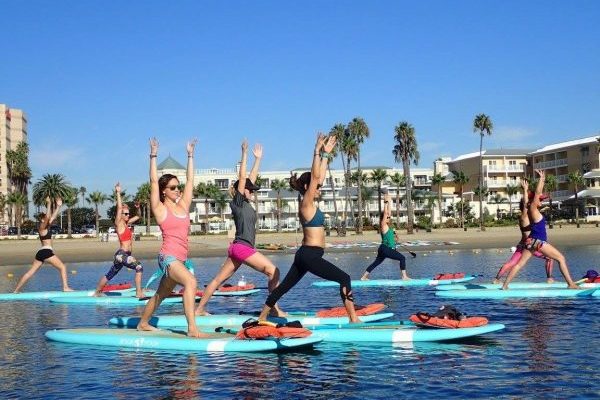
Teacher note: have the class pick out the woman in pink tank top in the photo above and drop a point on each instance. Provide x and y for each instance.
(171, 210)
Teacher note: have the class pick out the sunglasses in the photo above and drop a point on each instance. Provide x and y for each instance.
(174, 187)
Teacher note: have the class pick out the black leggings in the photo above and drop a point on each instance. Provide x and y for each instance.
(310, 259)
(384, 252)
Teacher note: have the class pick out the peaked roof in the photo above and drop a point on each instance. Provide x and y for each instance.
(170, 163)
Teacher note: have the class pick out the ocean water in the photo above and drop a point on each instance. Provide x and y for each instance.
(549, 348)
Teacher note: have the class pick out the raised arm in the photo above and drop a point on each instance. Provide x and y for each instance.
(119, 209)
(257, 157)
(525, 196)
(155, 203)
(44, 223)
(58, 203)
(134, 219)
(188, 190)
(243, 163)
(315, 171)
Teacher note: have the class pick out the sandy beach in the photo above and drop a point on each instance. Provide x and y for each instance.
(14, 252)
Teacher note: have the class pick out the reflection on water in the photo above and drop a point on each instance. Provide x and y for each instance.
(543, 350)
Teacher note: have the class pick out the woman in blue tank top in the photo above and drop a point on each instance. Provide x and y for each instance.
(309, 257)
(538, 240)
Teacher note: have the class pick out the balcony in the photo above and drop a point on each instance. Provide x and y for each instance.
(561, 162)
(504, 168)
(560, 194)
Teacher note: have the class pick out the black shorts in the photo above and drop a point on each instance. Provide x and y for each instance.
(44, 254)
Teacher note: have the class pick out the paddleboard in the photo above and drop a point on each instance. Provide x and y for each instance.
(170, 340)
(396, 282)
(514, 293)
(515, 285)
(398, 332)
(113, 300)
(23, 296)
(175, 321)
(235, 292)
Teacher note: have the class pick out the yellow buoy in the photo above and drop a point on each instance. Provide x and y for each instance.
(10, 275)
(73, 271)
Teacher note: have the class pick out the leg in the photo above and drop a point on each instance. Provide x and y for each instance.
(34, 268)
(526, 256)
(260, 263)
(101, 283)
(378, 260)
(139, 293)
(507, 266)
(180, 274)
(58, 264)
(289, 281)
(165, 287)
(549, 265)
(226, 271)
(552, 252)
(394, 255)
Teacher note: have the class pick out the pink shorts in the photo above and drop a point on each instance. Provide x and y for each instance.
(239, 251)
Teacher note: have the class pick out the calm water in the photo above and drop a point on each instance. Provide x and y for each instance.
(548, 350)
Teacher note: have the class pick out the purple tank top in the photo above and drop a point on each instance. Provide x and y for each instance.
(538, 230)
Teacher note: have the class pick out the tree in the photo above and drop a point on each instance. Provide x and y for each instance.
(461, 179)
(142, 196)
(18, 171)
(399, 181)
(367, 195)
(482, 124)
(82, 191)
(379, 175)
(69, 201)
(405, 151)
(437, 180)
(511, 190)
(19, 201)
(349, 148)
(550, 185)
(358, 129)
(498, 199)
(332, 155)
(2, 207)
(339, 131)
(577, 181)
(50, 185)
(208, 191)
(97, 198)
(278, 185)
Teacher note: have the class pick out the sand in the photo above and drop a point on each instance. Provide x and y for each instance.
(15, 252)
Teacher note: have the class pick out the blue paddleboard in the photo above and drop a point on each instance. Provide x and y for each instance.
(514, 293)
(396, 282)
(516, 285)
(24, 296)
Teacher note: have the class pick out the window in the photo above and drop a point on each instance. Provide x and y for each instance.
(512, 162)
(222, 183)
(585, 151)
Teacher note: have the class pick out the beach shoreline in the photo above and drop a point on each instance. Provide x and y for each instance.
(20, 252)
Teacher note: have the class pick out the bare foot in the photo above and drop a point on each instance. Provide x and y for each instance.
(68, 289)
(573, 286)
(98, 294)
(202, 313)
(406, 278)
(197, 334)
(17, 291)
(356, 321)
(278, 313)
(550, 280)
(365, 277)
(146, 327)
(140, 294)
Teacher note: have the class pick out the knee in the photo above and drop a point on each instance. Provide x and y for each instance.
(272, 272)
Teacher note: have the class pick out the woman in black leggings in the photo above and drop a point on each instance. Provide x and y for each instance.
(309, 257)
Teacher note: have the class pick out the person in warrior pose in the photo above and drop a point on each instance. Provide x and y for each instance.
(242, 250)
(538, 241)
(309, 257)
(387, 248)
(46, 253)
(123, 257)
(525, 227)
(171, 210)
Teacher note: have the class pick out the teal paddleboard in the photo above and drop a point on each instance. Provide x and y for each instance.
(24, 296)
(516, 285)
(236, 292)
(396, 282)
(169, 340)
(514, 293)
(112, 300)
(176, 321)
(400, 332)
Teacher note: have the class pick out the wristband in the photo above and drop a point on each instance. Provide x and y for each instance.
(152, 155)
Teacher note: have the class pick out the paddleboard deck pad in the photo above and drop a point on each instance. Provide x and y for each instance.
(396, 282)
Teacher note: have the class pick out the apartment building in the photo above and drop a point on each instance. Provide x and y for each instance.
(13, 130)
(333, 195)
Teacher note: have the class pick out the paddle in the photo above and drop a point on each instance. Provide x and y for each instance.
(413, 254)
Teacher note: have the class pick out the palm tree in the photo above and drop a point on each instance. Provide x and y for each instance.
(221, 202)
(51, 185)
(576, 179)
(437, 180)
(551, 183)
(259, 181)
(461, 179)
(399, 181)
(82, 191)
(482, 124)
(70, 201)
(332, 155)
(379, 175)
(124, 197)
(349, 148)
(18, 171)
(359, 130)
(143, 198)
(481, 192)
(97, 198)
(367, 195)
(511, 190)
(278, 185)
(19, 201)
(498, 199)
(405, 151)
(208, 191)
(2, 207)
(339, 131)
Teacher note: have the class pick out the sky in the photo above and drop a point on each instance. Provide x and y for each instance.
(97, 79)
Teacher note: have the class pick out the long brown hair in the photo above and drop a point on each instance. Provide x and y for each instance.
(163, 181)
(300, 183)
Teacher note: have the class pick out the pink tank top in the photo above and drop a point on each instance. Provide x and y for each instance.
(175, 236)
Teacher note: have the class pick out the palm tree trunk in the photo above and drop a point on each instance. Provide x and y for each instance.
(69, 222)
(278, 212)
(439, 205)
(398, 205)
(481, 225)
(348, 203)
(97, 221)
(206, 216)
(148, 218)
(335, 209)
(359, 229)
(379, 197)
(409, 206)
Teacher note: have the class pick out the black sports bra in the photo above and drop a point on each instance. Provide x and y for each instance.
(526, 228)
(47, 236)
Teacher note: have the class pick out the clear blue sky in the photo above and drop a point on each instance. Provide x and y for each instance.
(98, 78)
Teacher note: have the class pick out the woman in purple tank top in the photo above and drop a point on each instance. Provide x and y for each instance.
(537, 240)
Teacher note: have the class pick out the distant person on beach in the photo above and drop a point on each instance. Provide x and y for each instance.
(525, 227)
(538, 240)
(242, 250)
(46, 253)
(309, 257)
(171, 210)
(387, 248)
(123, 257)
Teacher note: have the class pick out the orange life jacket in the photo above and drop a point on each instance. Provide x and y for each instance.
(435, 322)
(446, 275)
(360, 310)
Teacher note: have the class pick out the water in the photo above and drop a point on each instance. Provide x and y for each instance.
(548, 350)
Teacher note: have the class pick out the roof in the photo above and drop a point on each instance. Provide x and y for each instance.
(170, 163)
(587, 193)
(570, 143)
(595, 173)
(493, 153)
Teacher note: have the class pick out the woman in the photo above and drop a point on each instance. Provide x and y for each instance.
(537, 239)
(525, 228)
(309, 257)
(387, 248)
(242, 250)
(171, 210)
(123, 257)
(46, 253)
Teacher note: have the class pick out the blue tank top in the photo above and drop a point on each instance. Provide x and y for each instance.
(316, 221)
(538, 230)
